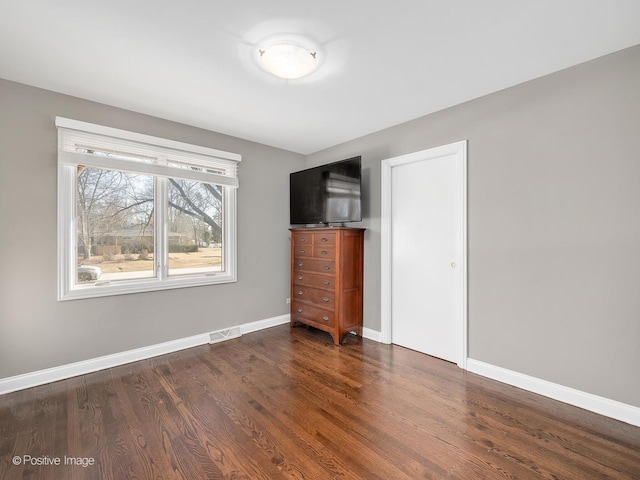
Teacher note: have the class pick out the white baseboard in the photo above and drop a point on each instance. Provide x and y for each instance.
(371, 334)
(40, 377)
(603, 406)
(262, 324)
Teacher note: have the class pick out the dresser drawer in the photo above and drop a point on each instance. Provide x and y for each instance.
(314, 265)
(304, 312)
(302, 250)
(300, 239)
(322, 251)
(322, 298)
(320, 239)
(314, 280)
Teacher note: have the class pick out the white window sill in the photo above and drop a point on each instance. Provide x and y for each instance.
(105, 289)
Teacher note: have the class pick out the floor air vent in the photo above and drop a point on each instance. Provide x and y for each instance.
(222, 335)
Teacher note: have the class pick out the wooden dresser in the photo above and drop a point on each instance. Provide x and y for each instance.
(326, 279)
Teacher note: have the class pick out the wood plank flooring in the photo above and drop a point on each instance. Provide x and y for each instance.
(277, 404)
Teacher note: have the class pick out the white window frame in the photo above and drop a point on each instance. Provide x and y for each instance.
(68, 160)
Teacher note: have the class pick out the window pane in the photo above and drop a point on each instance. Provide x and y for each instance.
(195, 227)
(114, 217)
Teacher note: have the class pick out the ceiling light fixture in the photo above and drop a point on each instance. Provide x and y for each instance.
(287, 59)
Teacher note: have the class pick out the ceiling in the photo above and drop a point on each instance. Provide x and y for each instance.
(382, 63)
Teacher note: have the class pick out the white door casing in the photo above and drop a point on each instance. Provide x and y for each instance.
(424, 252)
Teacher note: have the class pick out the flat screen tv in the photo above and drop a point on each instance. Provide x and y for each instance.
(326, 194)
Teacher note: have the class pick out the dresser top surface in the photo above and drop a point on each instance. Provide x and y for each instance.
(325, 229)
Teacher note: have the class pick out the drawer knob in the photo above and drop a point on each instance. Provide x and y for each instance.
(302, 250)
(323, 252)
(326, 267)
(324, 239)
(300, 277)
(300, 264)
(325, 318)
(299, 310)
(302, 239)
(325, 299)
(326, 282)
(300, 293)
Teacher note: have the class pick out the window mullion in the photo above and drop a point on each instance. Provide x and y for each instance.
(161, 205)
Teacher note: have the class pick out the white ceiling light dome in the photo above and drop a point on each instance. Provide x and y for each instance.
(288, 58)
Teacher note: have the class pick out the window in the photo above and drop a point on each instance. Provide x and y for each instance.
(138, 213)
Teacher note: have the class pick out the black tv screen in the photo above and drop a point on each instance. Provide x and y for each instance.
(326, 194)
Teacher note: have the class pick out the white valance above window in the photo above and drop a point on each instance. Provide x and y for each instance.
(91, 145)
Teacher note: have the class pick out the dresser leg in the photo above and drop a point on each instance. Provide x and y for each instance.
(341, 337)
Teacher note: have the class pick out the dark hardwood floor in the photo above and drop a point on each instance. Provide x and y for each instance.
(280, 405)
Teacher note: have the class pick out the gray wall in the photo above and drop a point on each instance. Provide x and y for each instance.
(554, 222)
(36, 331)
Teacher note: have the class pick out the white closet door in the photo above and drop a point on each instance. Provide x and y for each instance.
(425, 255)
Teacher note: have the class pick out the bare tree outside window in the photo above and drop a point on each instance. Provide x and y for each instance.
(195, 221)
(114, 212)
(115, 224)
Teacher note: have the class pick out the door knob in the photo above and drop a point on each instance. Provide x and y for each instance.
(453, 265)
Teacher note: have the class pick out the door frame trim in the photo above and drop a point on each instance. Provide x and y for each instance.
(459, 149)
